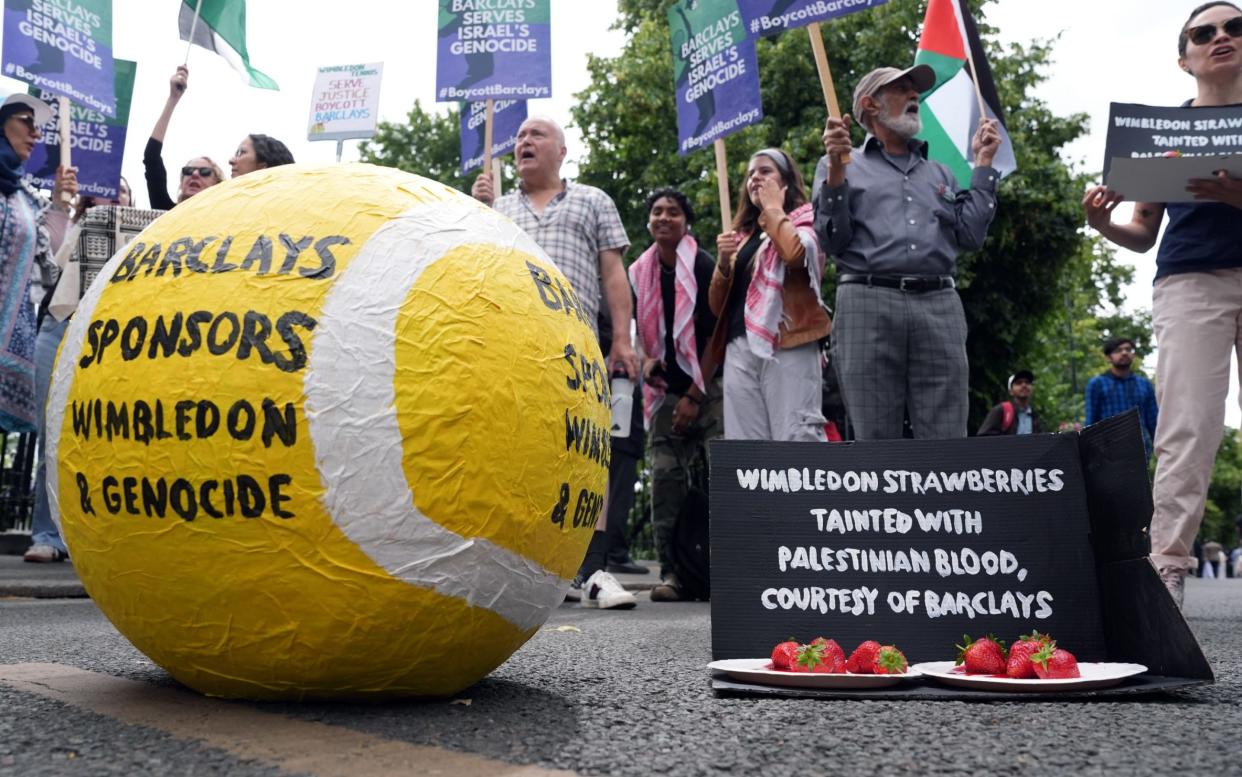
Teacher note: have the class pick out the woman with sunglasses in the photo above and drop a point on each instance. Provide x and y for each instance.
(196, 175)
(765, 291)
(1196, 299)
(26, 249)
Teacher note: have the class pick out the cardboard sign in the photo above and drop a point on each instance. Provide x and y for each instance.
(771, 17)
(715, 71)
(907, 542)
(499, 49)
(1151, 152)
(345, 102)
(62, 48)
(98, 141)
(507, 118)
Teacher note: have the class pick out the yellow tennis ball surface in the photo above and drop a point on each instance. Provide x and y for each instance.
(328, 431)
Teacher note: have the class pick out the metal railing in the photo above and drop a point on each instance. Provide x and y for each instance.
(17, 479)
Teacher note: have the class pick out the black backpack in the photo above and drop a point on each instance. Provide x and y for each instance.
(691, 545)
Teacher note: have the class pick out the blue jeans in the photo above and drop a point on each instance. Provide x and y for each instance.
(43, 530)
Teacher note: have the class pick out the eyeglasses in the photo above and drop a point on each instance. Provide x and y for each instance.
(28, 120)
(1203, 33)
(203, 172)
(1130, 348)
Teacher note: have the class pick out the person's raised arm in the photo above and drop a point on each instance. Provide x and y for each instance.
(1138, 235)
(617, 295)
(176, 88)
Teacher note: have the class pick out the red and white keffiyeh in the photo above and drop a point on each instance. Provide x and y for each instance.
(764, 298)
(645, 278)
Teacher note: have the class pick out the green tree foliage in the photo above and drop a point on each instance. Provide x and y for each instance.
(1011, 289)
(427, 144)
(1224, 498)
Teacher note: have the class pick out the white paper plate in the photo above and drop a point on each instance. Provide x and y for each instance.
(1094, 675)
(759, 670)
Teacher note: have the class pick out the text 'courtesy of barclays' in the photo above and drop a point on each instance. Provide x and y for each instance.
(277, 341)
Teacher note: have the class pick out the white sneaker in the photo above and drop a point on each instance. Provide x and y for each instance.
(44, 554)
(603, 591)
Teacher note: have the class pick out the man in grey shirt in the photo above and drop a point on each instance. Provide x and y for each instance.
(894, 222)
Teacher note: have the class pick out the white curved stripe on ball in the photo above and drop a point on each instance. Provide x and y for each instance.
(351, 414)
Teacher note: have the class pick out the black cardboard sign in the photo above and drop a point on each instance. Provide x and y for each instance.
(909, 542)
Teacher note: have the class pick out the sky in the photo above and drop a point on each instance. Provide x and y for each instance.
(1107, 50)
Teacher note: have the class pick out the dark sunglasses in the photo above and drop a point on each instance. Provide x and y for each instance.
(28, 120)
(1205, 32)
(203, 172)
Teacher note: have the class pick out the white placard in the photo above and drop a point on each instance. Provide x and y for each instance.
(1164, 179)
(345, 102)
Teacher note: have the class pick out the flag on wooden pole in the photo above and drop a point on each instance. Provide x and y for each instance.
(220, 26)
(951, 47)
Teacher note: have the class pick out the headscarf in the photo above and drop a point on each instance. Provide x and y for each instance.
(12, 167)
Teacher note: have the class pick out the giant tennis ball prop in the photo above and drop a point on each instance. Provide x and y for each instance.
(328, 432)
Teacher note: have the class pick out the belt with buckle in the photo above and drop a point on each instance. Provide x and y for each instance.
(912, 284)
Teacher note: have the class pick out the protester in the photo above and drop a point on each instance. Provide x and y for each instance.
(46, 544)
(579, 228)
(1015, 415)
(196, 175)
(1116, 391)
(258, 152)
(26, 249)
(765, 293)
(1196, 301)
(895, 223)
(681, 401)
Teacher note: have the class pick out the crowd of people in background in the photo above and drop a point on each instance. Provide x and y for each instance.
(732, 346)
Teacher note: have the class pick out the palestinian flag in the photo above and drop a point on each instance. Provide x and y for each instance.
(221, 27)
(950, 110)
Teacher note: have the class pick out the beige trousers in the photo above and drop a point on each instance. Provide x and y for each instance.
(1198, 322)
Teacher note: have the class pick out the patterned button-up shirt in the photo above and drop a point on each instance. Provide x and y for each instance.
(574, 228)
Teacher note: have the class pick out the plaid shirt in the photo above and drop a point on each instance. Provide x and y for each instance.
(1108, 395)
(575, 227)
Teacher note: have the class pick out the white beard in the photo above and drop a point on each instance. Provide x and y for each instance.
(904, 125)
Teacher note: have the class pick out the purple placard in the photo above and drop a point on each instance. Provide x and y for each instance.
(507, 117)
(771, 17)
(715, 72)
(62, 48)
(497, 49)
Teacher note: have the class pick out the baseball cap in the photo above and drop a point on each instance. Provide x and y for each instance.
(922, 76)
(42, 111)
(1020, 374)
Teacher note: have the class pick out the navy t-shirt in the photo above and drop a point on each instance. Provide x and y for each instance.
(1200, 237)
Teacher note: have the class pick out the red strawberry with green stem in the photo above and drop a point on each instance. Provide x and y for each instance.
(863, 657)
(985, 655)
(783, 654)
(821, 656)
(1019, 666)
(1053, 663)
(889, 660)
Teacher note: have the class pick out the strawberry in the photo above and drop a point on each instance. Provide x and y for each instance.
(821, 656)
(863, 657)
(1020, 652)
(981, 656)
(1053, 663)
(889, 660)
(783, 655)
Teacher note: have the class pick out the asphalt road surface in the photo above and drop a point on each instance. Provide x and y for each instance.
(621, 693)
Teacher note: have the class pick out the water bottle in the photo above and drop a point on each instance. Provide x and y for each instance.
(622, 404)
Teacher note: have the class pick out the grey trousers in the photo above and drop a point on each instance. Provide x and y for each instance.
(773, 399)
(898, 352)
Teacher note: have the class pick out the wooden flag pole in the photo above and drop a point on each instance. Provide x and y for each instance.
(974, 78)
(487, 145)
(198, 6)
(66, 149)
(497, 177)
(825, 76)
(722, 182)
